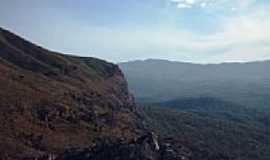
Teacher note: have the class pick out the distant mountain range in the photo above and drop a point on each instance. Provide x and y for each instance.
(156, 80)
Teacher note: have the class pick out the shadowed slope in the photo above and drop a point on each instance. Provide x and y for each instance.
(50, 102)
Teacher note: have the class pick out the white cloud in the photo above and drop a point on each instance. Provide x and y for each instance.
(244, 37)
(215, 4)
(241, 38)
(183, 5)
(190, 1)
(203, 5)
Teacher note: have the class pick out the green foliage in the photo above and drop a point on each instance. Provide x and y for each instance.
(212, 128)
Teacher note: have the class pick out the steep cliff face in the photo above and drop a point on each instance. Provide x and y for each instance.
(50, 102)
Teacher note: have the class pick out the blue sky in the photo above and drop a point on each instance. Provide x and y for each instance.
(204, 31)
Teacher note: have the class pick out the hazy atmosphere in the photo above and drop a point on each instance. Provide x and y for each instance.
(210, 31)
(134, 80)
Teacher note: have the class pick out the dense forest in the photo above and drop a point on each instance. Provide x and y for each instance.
(214, 129)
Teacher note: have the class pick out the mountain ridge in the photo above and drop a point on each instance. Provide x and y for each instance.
(156, 81)
(51, 102)
(190, 62)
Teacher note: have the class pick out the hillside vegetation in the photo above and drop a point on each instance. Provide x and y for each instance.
(212, 128)
(51, 102)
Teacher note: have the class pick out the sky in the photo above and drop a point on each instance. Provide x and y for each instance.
(200, 31)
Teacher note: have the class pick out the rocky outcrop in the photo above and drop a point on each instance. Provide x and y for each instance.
(146, 147)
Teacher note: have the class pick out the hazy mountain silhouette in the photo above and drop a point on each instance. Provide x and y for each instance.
(158, 80)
